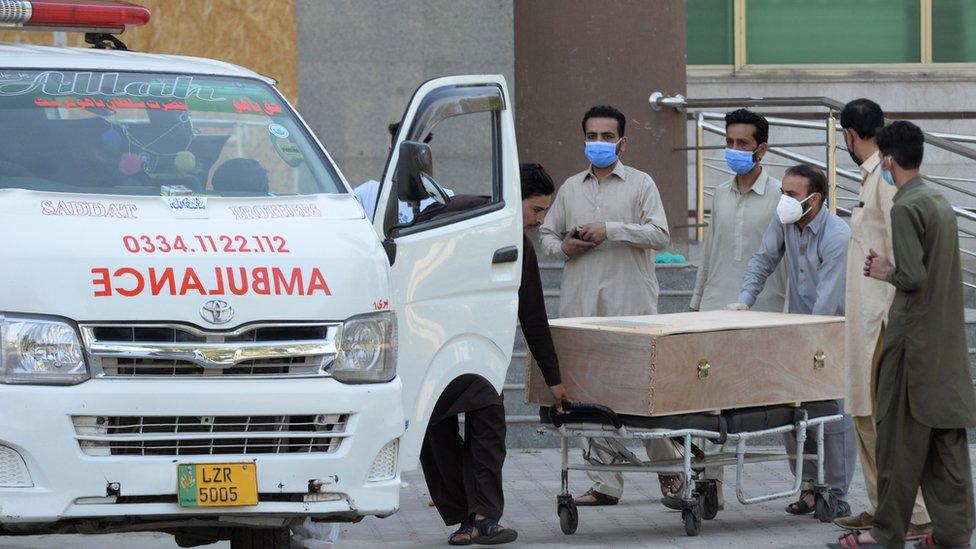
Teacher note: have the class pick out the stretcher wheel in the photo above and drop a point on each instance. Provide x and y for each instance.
(692, 522)
(568, 518)
(710, 501)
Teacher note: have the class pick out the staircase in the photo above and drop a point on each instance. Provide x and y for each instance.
(676, 281)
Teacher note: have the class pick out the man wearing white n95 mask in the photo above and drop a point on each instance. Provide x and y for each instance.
(814, 241)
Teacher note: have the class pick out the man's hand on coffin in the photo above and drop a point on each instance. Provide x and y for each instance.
(560, 395)
(594, 232)
(737, 307)
(573, 245)
(877, 266)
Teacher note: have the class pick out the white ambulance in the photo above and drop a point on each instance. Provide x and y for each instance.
(200, 331)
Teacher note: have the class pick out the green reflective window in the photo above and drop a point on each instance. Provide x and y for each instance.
(953, 31)
(709, 32)
(832, 31)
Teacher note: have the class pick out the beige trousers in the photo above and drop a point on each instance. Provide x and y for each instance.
(867, 438)
(612, 484)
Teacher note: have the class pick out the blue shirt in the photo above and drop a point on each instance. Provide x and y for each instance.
(816, 260)
(368, 194)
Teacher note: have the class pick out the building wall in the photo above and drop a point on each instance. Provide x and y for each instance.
(360, 62)
(571, 56)
(257, 34)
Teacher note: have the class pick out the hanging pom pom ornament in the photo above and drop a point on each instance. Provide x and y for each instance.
(130, 164)
(185, 161)
(111, 140)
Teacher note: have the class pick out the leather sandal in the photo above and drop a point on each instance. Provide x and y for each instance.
(675, 503)
(492, 533)
(599, 498)
(850, 541)
(464, 535)
(928, 542)
(800, 506)
(671, 484)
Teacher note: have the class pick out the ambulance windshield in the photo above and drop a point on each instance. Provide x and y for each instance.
(124, 133)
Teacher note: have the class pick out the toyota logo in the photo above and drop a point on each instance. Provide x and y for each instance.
(217, 311)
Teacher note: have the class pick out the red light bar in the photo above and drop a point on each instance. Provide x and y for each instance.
(73, 15)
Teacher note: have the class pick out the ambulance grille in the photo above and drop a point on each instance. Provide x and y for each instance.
(269, 350)
(209, 435)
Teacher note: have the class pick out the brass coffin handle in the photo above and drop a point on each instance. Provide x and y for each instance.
(819, 359)
(703, 367)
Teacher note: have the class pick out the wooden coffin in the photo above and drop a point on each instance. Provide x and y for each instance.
(695, 362)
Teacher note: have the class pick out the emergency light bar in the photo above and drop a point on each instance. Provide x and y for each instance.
(107, 16)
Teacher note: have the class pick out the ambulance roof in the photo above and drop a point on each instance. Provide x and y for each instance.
(26, 56)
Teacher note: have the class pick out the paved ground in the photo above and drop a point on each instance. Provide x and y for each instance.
(531, 482)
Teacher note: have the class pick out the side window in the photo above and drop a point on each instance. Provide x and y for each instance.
(461, 126)
(464, 156)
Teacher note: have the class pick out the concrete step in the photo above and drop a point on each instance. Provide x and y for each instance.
(677, 276)
(514, 401)
(668, 301)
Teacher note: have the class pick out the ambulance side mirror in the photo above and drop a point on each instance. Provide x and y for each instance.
(414, 165)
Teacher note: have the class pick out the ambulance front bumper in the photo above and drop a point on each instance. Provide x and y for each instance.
(60, 465)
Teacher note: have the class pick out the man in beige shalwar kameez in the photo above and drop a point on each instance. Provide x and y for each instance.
(606, 222)
(868, 301)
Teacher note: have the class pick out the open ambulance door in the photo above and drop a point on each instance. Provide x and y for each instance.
(455, 265)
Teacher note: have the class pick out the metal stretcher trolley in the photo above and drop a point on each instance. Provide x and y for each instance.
(699, 497)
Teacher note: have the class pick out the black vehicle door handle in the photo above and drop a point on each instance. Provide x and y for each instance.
(508, 254)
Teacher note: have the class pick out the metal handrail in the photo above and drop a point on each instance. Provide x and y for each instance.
(940, 140)
(678, 102)
(946, 141)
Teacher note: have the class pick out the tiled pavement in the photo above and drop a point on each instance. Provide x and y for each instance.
(531, 484)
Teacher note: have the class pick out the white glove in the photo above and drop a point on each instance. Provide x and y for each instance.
(737, 307)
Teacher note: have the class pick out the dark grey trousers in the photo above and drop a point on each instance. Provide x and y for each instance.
(840, 454)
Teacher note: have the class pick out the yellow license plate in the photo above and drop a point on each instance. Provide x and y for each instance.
(217, 484)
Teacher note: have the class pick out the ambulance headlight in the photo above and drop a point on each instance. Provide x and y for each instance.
(367, 349)
(40, 351)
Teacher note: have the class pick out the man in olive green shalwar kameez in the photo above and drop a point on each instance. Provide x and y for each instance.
(925, 397)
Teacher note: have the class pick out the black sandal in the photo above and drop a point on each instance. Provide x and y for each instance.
(464, 529)
(800, 506)
(492, 533)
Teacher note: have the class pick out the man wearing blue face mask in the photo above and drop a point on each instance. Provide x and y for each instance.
(814, 241)
(741, 210)
(606, 222)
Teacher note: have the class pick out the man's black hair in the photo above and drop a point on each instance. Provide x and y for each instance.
(394, 127)
(902, 141)
(756, 120)
(863, 116)
(814, 176)
(606, 111)
(535, 181)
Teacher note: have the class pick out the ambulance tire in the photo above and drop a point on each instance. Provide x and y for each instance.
(261, 538)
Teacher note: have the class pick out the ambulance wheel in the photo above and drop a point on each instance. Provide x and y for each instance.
(710, 503)
(692, 522)
(568, 518)
(261, 538)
